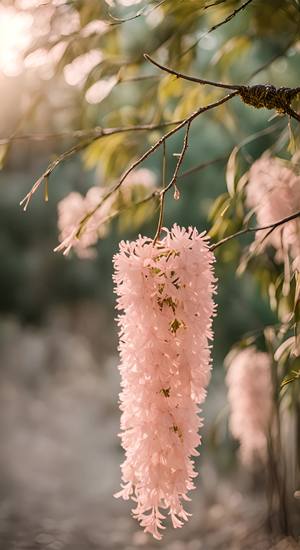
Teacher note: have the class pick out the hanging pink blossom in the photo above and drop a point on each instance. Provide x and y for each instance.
(250, 400)
(273, 192)
(165, 294)
(71, 211)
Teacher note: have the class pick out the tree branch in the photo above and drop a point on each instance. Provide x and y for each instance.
(258, 96)
(293, 114)
(271, 226)
(218, 25)
(222, 158)
(180, 160)
(172, 183)
(96, 133)
(203, 165)
(158, 143)
(154, 147)
(267, 64)
(190, 78)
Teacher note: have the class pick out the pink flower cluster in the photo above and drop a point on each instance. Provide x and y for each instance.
(273, 192)
(165, 295)
(250, 400)
(73, 209)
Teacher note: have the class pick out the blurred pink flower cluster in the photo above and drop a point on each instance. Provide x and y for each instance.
(165, 295)
(71, 211)
(250, 401)
(273, 192)
(74, 207)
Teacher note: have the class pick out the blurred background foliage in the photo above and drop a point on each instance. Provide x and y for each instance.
(70, 66)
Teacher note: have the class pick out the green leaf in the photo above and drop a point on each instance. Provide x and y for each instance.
(134, 217)
(294, 135)
(284, 350)
(219, 206)
(292, 377)
(169, 87)
(297, 319)
(231, 172)
(188, 103)
(111, 152)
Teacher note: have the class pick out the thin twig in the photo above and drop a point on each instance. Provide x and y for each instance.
(48, 136)
(155, 194)
(293, 114)
(267, 64)
(161, 196)
(44, 177)
(161, 217)
(190, 78)
(172, 183)
(271, 226)
(202, 166)
(222, 158)
(217, 26)
(94, 133)
(138, 78)
(180, 159)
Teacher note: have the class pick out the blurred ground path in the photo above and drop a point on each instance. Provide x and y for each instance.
(60, 455)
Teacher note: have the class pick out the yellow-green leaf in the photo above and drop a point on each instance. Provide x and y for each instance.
(231, 172)
(169, 87)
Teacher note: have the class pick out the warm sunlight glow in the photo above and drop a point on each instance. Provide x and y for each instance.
(15, 35)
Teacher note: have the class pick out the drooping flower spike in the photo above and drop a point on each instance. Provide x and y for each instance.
(165, 296)
(273, 192)
(71, 211)
(250, 400)
(74, 208)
